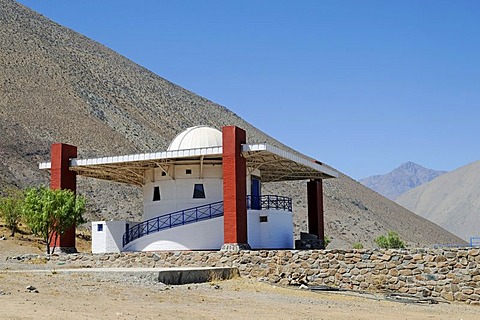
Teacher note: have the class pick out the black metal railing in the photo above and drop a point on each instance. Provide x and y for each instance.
(269, 202)
(205, 212)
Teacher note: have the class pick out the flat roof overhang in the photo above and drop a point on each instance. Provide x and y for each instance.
(274, 164)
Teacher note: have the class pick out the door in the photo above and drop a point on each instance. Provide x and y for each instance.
(256, 203)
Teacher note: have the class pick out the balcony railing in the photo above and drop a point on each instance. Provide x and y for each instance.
(269, 202)
(174, 219)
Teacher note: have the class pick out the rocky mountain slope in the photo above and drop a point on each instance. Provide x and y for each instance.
(452, 201)
(406, 177)
(59, 86)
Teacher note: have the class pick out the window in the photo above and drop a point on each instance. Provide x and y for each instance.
(188, 171)
(263, 218)
(156, 193)
(164, 173)
(100, 227)
(198, 191)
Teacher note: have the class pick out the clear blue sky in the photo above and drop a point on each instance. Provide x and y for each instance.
(360, 85)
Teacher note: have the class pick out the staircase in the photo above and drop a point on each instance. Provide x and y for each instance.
(178, 218)
(201, 213)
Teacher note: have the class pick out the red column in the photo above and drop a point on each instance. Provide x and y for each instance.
(234, 188)
(315, 208)
(62, 178)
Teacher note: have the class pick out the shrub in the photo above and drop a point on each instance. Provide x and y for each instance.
(11, 209)
(357, 245)
(390, 241)
(326, 241)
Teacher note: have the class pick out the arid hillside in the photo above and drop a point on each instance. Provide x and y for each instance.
(59, 86)
(452, 201)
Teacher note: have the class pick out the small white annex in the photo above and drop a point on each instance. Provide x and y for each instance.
(184, 190)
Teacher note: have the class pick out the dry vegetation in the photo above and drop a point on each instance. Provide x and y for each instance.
(59, 86)
(24, 242)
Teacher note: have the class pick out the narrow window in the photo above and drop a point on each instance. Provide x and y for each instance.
(156, 193)
(188, 171)
(100, 227)
(198, 191)
(263, 218)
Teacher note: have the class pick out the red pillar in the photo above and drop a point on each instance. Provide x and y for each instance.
(234, 189)
(315, 208)
(62, 178)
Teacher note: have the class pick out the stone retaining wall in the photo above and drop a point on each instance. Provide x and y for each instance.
(452, 274)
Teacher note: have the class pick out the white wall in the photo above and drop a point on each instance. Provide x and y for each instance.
(203, 235)
(276, 233)
(111, 238)
(176, 190)
(176, 193)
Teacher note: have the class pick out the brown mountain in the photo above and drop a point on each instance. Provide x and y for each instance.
(452, 201)
(59, 86)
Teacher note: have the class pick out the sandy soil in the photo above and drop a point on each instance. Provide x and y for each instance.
(117, 296)
(89, 296)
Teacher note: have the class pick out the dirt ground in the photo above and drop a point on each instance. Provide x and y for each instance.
(116, 296)
(88, 296)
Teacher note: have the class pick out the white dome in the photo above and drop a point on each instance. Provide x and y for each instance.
(197, 137)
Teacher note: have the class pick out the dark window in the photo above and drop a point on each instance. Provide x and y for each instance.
(263, 218)
(99, 227)
(188, 171)
(156, 193)
(164, 173)
(198, 191)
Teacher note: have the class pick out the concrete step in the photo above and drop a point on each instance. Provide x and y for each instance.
(169, 276)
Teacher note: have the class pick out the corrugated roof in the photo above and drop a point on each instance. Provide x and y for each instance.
(274, 164)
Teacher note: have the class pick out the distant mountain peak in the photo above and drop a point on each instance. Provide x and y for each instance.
(407, 176)
(451, 201)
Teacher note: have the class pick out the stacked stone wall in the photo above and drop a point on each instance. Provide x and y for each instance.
(452, 274)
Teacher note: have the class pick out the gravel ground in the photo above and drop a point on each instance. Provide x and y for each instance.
(121, 296)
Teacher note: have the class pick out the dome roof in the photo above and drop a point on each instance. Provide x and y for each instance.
(197, 137)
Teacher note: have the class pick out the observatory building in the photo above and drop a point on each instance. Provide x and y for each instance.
(203, 193)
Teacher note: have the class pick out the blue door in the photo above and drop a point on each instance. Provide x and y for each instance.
(256, 193)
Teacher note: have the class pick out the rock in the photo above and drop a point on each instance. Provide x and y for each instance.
(447, 296)
(460, 296)
(468, 290)
(32, 289)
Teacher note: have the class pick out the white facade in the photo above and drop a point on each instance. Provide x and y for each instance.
(107, 236)
(170, 188)
(202, 235)
(270, 229)
(176, 188)
(267, 229)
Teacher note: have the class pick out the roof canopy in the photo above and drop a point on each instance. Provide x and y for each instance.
(274, 164)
